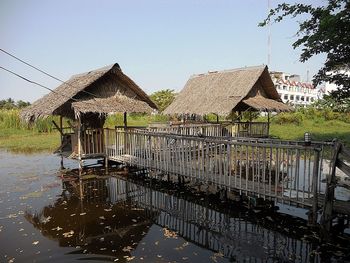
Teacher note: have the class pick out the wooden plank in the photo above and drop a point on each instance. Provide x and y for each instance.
(343, 167)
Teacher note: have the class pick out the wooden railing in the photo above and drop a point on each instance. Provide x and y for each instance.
(283, 171)
(232, 129)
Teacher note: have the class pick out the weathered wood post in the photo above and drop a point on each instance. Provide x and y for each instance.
(268, 124)
(312, 218)
(79, 145)
(106, 141)
(327, 215)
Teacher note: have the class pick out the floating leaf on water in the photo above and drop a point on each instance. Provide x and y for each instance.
(82, 214)
(102, 218)
(68, 234)
(134, 220)
(21, 229)
(116, 259)
(107, 209)
(184, 258)
(129, 258)
(103, 248)
(156, 243)
(127, 249)
(159, 256)
(72, 214)
(46, 219)
(11, 216)
(57, 228)
(35, 242)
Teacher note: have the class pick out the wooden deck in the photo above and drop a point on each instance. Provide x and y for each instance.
(295, 173)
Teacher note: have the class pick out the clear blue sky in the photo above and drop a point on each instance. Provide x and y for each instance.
(158, 43)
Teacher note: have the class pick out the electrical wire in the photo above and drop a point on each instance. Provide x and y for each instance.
(36, 83)
(44, 72)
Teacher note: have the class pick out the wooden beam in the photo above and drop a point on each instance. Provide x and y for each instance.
(125, 120)
(58, 128)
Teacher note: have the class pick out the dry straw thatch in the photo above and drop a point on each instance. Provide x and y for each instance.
(102, 91)
(226, 91)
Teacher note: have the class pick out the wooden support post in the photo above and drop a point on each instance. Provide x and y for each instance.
(79, 144)
(268, 124)
(327, 215)
(106, 142)
(62, 134)
(312, 218)
(125, 121)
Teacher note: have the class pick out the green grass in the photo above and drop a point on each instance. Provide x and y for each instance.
(320, 130)
(28, 141)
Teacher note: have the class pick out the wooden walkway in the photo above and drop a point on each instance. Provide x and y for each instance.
(295, 173)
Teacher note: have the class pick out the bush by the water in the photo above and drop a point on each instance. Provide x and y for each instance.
(10, 119)
(310, 113)
(288, 118)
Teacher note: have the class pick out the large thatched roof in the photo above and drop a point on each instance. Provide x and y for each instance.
(105, 90)
(226, 91)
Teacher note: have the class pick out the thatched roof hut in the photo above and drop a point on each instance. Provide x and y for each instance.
(222, 92)
(98, 92)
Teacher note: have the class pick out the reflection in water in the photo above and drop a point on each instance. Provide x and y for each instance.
(121, 220)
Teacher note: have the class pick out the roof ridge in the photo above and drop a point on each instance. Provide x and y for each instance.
(229, 70)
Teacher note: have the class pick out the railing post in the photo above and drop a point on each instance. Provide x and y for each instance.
(312, 218)
(106, 146)
(327, 215)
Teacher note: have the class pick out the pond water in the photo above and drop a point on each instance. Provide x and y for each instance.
(46, 215)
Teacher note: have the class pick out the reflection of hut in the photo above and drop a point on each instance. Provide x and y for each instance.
(227, 92)
(94, 224)
(87, 99)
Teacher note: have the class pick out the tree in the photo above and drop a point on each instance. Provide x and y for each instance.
(326, 30)
(163, 98)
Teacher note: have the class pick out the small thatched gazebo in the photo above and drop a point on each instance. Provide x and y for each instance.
(225, 92)
(87, 99)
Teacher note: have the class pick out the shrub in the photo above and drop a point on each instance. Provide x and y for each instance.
(288, 118)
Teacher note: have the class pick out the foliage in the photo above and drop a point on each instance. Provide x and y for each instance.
(9, 119)
(11, 104)
(134, 119)
(325, 30)
(334, 104)
(288, 118)
(163, 98)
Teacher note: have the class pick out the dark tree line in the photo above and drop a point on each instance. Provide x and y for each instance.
(11, 104)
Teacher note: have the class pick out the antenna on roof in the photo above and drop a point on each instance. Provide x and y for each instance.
(268, 36)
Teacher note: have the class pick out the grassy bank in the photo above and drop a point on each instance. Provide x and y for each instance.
(323, 125)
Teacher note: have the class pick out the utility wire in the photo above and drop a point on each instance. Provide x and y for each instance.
(40, 85)
(36, 83)
(44, 72)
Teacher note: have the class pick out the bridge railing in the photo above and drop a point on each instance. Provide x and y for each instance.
(231, 129)
(289, 172)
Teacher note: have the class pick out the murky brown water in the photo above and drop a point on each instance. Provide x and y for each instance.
(45, 216)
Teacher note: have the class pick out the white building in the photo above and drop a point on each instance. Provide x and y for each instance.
(293, 91)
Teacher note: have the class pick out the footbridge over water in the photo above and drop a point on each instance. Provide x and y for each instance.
(297, 173)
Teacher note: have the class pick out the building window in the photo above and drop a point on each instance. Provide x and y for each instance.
(285, 96)
(297, 98)
(302, 98)
(291, 97)
(307, 98)
(311, 99)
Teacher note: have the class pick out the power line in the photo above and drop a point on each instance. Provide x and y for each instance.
(40, 85)
(44, 72)
(36, 83)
